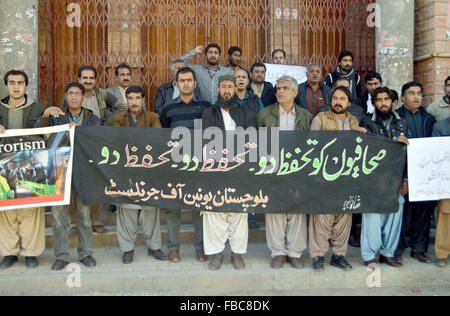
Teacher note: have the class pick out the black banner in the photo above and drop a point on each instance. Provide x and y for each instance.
(305, 172)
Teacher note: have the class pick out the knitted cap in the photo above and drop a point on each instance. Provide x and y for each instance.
(227, 78)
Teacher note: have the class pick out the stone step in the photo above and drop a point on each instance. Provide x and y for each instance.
(149, 277)
(187, 236)
(111, 218)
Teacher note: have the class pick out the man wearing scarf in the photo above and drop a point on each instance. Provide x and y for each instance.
(345, 70)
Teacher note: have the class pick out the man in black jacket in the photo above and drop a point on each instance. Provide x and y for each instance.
(261, 88)
(74, 115)
(381, 232)
(218, 228)
(372, 82)
(417, 215)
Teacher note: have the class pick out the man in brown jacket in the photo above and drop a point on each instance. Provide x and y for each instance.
(332, 229)
(129, 215)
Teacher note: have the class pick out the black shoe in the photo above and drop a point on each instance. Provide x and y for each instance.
(158, 254)
(318, 264)
(112, 208)
(398, 258)
(420, 256)
(128, 257)
(340, 262)
(59, 265)
(8, 261)
(354, 242)
(89, 262)
(31, 262)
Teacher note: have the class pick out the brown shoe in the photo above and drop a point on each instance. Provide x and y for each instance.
(158, 254)
(295, 263)
(390, 262)
(278, 262)
(174, 256)
(99, 229)
(368, 263)
(200, 255)
(216, 262)
(237, 261)
(420, 256)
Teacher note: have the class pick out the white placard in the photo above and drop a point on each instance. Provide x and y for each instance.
(429, 169)
(276, 71)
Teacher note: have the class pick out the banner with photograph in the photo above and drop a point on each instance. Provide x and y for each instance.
(35, 167)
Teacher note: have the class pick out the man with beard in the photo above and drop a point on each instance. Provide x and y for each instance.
(313, 94)
(258, 86)
(234, 58)
(372, 82)
(219, 227)
(442, 242)
(416, 215)
(441, 108)
(286, 234)
(208, 76)
(381, 232)
(345, 70)
(332, 229)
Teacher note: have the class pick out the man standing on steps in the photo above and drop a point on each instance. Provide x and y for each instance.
(182, 113)
(208, 76)
(219, 227)
(21, 231)
(129, 215)
(333, 230)
(381, 232)
(416, 215)
(104, 105)
(74, 115)
(286, 233)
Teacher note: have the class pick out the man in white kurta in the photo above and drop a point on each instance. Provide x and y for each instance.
(218, 228)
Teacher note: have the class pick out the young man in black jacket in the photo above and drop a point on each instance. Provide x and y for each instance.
(381, 232)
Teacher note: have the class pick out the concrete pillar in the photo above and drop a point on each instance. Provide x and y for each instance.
(19, 41)
(395, 42)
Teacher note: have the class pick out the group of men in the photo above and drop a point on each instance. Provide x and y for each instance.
(227, 98)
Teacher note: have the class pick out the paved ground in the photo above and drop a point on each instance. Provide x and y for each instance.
(147, 276)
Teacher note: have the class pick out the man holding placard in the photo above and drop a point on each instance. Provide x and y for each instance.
(417, 215)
